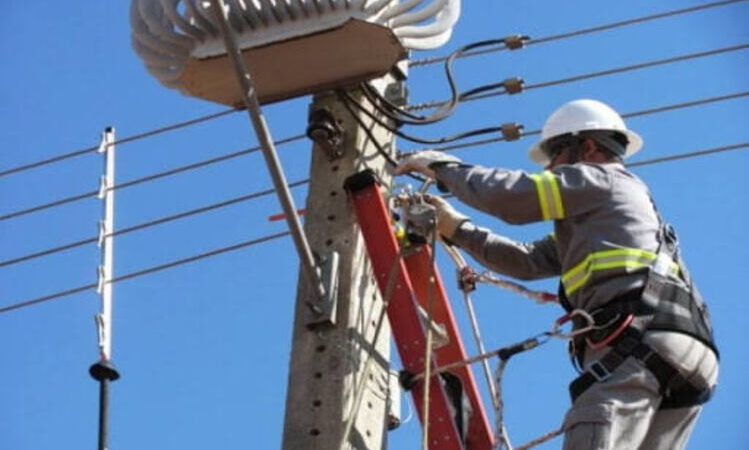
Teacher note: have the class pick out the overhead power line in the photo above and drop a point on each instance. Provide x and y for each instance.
(601, 73)
(126, 139)
(148, 178)
(147, 224)
(642, 112)
(179, 262)
(211, 207)
(414, 63)
(140, 273)
(228, 156)
(689, 155)
(583, 31)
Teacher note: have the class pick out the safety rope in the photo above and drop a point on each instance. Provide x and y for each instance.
(467, 285)
(429, 337)
(362, 385)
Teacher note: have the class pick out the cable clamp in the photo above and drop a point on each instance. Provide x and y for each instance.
(466, 279)
(100, 280)
(513, 85)
(512, 131)
(515, 41)
(103, 187)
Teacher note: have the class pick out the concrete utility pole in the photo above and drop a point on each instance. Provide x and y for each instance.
(327, 361)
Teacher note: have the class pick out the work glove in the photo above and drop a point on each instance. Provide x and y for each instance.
(424, 162)
(448, 219)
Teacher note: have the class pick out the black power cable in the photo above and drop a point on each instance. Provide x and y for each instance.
(586, 76)
(148, 224)
(642, 112)
(351, 101)
(140, 273)
(584, 31)
(135, 137)
(372, 137)
(402, 116)
(147, 178)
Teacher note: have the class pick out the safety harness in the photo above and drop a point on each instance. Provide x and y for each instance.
(664, 304)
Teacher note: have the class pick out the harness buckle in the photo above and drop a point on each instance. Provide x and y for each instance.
(599, 371)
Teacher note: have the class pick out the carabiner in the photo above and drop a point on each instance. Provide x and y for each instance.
(591, 324)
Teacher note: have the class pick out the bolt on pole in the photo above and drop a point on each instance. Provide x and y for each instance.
(269, 153)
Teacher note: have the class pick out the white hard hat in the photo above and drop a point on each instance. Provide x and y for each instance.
(583, 115)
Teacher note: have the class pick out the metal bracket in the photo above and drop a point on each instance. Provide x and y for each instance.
(328, 265)
(325, 131)
(397, 93)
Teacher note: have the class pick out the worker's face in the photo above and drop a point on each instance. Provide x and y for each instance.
(588, 153)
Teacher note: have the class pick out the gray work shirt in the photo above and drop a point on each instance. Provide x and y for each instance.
(605, 226)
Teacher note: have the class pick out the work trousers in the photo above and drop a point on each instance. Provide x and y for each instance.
(622, 412)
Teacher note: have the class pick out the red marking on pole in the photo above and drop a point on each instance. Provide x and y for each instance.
(282, 216)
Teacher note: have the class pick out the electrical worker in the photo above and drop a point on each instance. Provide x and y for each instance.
(651, 362)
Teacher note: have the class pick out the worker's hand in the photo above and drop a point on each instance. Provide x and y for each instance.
(448, 219)
(423, 162)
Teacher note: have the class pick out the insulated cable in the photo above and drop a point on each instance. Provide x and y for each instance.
(135, 137)
(412, 138)
(580, 32)
(601, 73)
(140, 273)
(152, 177)
(402, 116)
(642, 112)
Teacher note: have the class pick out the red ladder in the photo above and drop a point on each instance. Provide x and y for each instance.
(409, 289)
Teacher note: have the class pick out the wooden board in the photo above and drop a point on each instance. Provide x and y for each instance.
(354, 52)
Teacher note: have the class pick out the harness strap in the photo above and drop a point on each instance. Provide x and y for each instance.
(677, 392)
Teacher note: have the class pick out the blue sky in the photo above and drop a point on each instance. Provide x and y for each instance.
(203, 348)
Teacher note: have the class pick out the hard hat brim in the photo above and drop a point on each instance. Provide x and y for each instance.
(634, 145)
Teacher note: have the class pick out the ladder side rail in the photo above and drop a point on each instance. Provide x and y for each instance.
(480, 436)
(407, 329)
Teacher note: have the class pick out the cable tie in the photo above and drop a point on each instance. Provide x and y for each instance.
(99, 320)
(515, 41)
(512, 131)
(102, 144)
(103, 187)
(102, 233)
(100, 280)
(513, 85)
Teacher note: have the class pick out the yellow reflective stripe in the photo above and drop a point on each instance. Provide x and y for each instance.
(549, 197)
(630, 258)
(541, 191)
(555, 195)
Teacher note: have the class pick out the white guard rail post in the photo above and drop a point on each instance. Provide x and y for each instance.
(103, 370)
